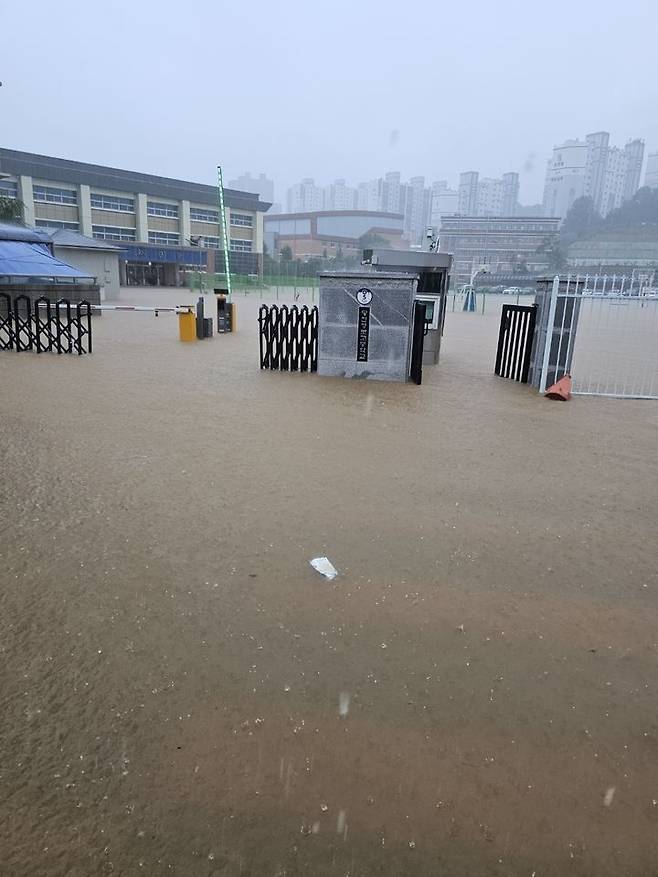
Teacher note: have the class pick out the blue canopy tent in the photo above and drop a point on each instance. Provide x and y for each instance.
(11, 232)
(20, 259)
(26, 254)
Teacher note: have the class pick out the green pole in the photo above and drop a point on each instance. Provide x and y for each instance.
(222, 215)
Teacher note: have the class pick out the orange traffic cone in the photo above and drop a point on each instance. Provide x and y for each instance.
(561, 390)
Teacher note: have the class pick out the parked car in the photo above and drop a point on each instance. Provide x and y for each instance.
(512, 290)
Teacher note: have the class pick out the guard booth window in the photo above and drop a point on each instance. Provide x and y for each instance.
(431, 281)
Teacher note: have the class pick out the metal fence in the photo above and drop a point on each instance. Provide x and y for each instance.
(604, 332)
(288, 338)
(515, 336)
(44, 326)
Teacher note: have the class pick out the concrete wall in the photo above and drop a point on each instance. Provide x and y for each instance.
(103, 265)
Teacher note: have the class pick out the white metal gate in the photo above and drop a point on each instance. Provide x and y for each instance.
(606, 329)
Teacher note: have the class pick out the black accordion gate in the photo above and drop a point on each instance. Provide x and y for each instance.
(288, 338)
(44, 326)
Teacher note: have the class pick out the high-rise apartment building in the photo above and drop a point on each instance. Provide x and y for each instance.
(488, 196)
(634, 150)
(417, 209)
(468, 193)
(510, 199)
(565, 177)
(592, 168)
(614, 181)
(261, 185)
(339, 196)
(393, 193)
(305, 196)
(598, 147)
(651, 173)
(369, 195)
(444, 202)
(489, 200)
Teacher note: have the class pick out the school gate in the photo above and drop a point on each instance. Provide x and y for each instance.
(601, 330)
(44, 326)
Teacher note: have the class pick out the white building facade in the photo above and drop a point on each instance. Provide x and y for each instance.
(565, 177)
(339, 196)
(369, 195)
(651, 173)
(594, 169)
(305, 196)
(444, 202)
(468, 193)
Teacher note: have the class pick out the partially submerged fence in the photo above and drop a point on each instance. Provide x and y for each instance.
(603, 331)
(288, 338)
(515, 337)
(44, 326)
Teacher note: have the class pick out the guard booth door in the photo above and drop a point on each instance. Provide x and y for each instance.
(432, 284)
(417, 341)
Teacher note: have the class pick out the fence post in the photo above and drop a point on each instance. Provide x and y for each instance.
(549, 334)
(26, 324)
(89, 347)
(7, 322)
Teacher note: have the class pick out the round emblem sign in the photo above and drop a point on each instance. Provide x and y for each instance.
(364, 296)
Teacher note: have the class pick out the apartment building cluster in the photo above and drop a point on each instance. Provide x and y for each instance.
(388, 194)
(420, 204)
(487, 196)
(592, 168)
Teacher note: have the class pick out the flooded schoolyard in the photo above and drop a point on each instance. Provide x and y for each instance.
(475, 693)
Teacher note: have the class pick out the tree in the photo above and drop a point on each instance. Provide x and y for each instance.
(312, 266)
(270, 266)
(581, 221)
(11, 210)
(555, 254)
(286, 254)
(640, 210)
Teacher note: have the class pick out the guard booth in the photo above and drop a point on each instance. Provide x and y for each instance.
(370, 326)
(432, 273)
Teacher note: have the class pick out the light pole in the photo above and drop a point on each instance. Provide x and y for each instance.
(223, 225)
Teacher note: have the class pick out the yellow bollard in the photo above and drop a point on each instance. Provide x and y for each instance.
(234, 316)
(187, 326)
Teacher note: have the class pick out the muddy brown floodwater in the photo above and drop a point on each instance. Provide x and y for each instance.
(173, 671)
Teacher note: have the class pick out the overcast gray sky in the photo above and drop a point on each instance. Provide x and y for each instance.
(325, 89)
